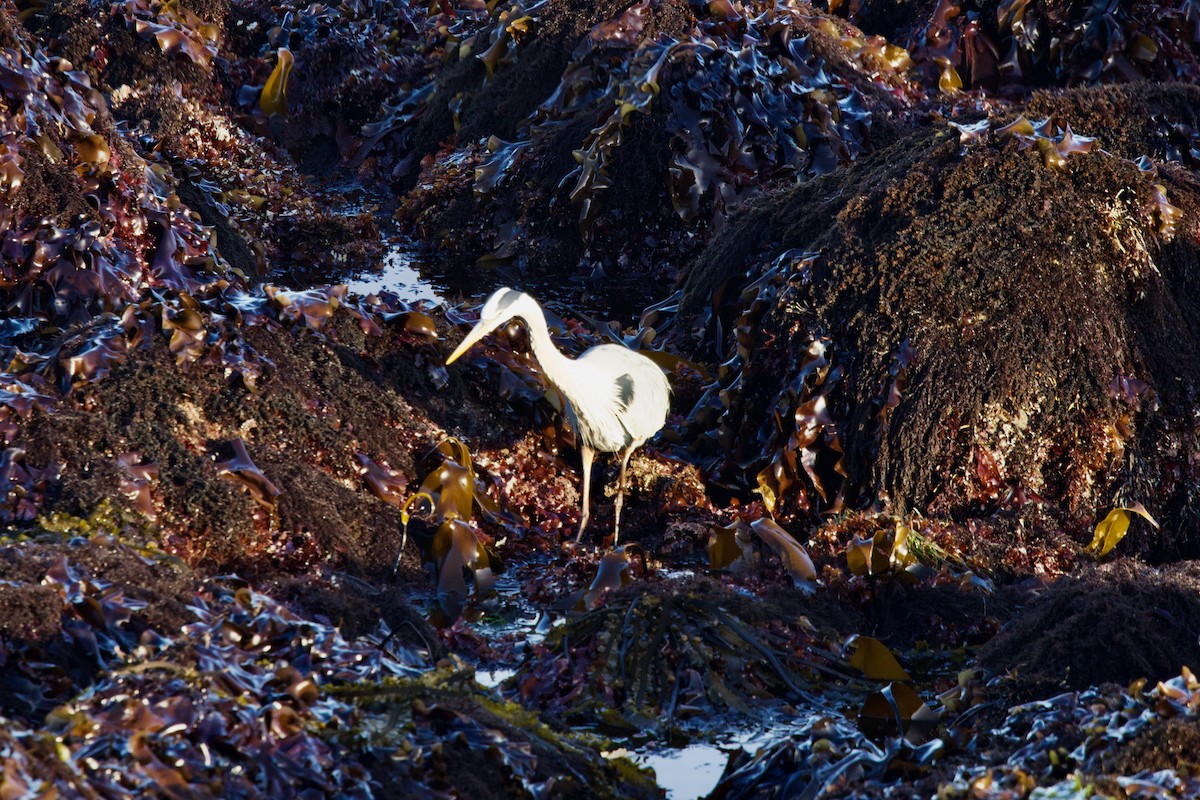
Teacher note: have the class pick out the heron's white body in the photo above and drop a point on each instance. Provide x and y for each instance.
(601, 416)
(616, 398)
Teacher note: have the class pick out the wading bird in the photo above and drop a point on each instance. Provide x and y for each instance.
(616, 398)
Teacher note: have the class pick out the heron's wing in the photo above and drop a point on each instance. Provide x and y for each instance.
(625, 390)
(629, 388)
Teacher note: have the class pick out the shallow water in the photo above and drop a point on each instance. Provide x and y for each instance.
(692, 771)
(686, 773)
(409, 276)
(491, 678)
(400, 275)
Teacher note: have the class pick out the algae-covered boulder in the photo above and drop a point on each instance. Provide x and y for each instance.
(1114, 623)
(981, 317)
(607, 139)
(610, 140)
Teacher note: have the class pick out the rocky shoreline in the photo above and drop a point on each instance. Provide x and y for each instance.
(923, 278)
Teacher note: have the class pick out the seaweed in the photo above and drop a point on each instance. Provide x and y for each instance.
(717, 102)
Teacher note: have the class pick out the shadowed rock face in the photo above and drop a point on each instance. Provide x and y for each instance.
(1115, 624)
(998, 332)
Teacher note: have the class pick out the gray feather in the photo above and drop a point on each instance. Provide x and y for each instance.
(625, 390)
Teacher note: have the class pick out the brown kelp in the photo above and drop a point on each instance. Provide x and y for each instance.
(712, 101)
(1019, 44)
(647, 653)
(248, 699)
(94, 282)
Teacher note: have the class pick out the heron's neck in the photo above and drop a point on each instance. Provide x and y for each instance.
(556, 366)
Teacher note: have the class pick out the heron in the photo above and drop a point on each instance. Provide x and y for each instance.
(616, 398)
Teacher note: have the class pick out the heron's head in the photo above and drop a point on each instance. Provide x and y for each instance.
(503, 305)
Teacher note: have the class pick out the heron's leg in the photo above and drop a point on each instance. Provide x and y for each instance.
(621, 493)
(587, 453)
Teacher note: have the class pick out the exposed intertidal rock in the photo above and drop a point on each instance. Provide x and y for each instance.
(640, 125)
(975, 320)
(938, 317)
(1112, 624)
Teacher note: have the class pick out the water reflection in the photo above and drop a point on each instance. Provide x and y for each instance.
(687, 773)
(692, 771)
(491, 678)
(401, 276)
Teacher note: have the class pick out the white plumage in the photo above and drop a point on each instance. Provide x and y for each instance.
(616, 398)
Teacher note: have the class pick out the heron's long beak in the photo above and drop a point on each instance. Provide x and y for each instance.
(477, 333)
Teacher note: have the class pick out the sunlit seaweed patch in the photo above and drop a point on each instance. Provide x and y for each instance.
(800, 440)
(733, 547)
(237, 702)
(235, 162)
(173, 27)
(1091, 727)
(132, 264)
(719, 101)
(1098, 742)
(826, 757)
(1056, 142)
(452, 493)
